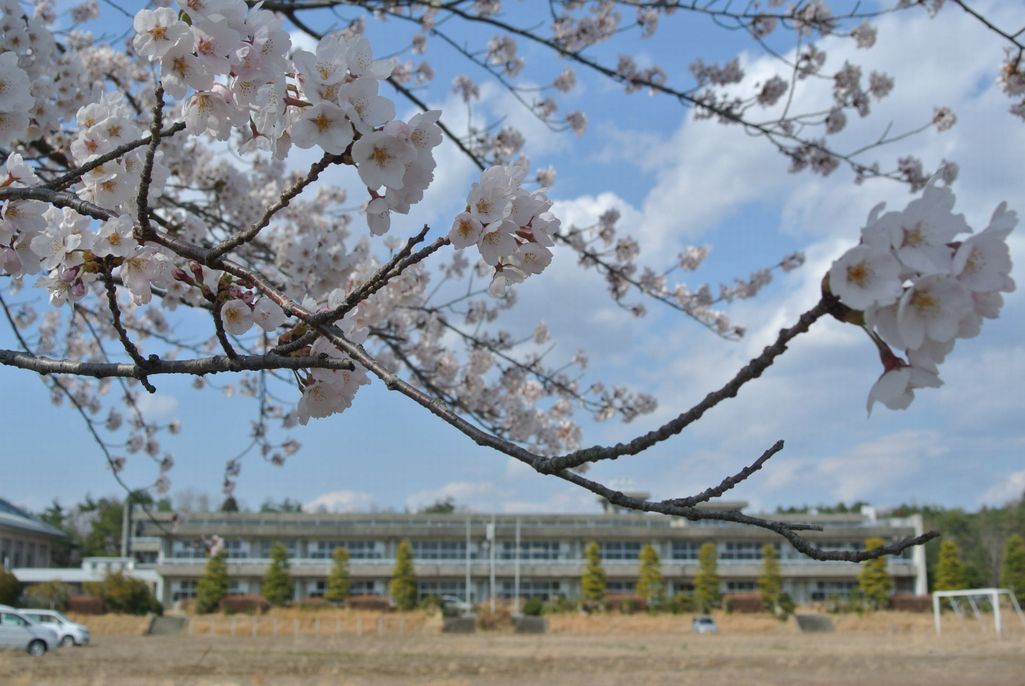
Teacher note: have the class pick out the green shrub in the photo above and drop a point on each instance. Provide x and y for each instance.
(277, 581)
(432, 603)
(402, 586)
(51, 594)
(213, 585)
(786, 606)
(682, 603)
(122, 593)
(562, 604)
(10, 589)
(533, 607)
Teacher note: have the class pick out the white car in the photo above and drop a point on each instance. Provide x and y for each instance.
(21, 633)
(457, 604)
(68, 633)
(703, 624)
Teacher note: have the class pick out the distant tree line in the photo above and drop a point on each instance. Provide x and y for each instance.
(982, 541)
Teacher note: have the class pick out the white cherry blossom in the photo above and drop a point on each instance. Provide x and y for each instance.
(181, 70)
(896, 387)
(466, 231)
(323, 124)
(268, 315)
(982, 262)
(932, 308)
(237, 317)
(865, 276)
(382, 158)
(157, 31)
(115, 238)
(15, 88)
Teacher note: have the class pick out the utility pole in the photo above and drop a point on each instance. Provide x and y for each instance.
(491, 550)
(516, 567)
(126, 524)
(469, 596)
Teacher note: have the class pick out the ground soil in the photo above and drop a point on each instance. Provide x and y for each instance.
(593, 651)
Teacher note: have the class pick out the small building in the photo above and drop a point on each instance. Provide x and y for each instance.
(93, 569)
(512, 555)
(24, 540)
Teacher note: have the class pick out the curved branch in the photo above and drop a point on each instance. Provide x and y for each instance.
(199, 366)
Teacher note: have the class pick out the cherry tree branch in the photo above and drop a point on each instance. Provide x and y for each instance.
(70, 177)
(200, 366)
(229, 244)
(752, 370)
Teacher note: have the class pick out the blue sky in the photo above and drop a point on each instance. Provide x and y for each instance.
(676, 182)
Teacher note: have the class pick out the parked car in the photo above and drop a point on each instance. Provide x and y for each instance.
(21, 633)
(68, 633)
(703, 624)
(456, 605)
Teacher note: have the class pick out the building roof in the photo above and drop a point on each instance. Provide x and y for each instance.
(630, 525)
(13, 517)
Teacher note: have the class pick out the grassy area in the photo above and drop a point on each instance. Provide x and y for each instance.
(643, 651)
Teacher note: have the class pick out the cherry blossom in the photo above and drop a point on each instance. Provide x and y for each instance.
(237, 316)
(917, 288)
(896, 387)
(382, 159)
(116, 198)
(157, 31)
(866, 276)
(323, 124)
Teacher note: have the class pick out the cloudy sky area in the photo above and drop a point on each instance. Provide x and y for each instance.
(676, 182)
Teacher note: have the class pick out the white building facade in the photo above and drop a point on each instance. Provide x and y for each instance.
(527, 555)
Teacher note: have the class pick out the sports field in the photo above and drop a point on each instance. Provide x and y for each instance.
(592, 651)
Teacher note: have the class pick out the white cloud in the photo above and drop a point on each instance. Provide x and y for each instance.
(1005, 489)
(156, 406)
(471, 495)
(814, 397)
(873, 467)
(340, 501)
(487, 496)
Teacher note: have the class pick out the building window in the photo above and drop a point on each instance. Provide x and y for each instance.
(358, 550)
(684, 550)
(620, 586)
(836, 589)
(236, 549)
(363, 588)
(620, 550)
(262, 548)
(188, 550)
(545, 590)
(531, 550)
(735, 550)
(440, 588)
(740, 586)
(316, 589)
(439, 550)
(183, 590)
(146, 558)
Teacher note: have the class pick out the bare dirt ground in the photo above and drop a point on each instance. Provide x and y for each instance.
(630, 651)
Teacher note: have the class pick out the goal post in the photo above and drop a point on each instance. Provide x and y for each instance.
(991, 594)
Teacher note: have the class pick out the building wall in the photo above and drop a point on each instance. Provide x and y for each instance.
(551, 552)
(20, 548)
